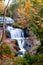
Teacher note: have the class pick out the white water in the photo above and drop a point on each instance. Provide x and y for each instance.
(17, 34)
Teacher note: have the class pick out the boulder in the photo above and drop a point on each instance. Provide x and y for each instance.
(13, 45)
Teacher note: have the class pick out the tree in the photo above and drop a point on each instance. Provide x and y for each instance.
(2, 6)
(4, 25)
(4, 9)
(22, 11)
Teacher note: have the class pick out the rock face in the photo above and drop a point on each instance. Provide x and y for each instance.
(34, 45)
(30, 43)
(0, 34)
(13, 45)
(8, 34)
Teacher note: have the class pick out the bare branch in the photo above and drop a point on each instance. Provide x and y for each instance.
(4, 24)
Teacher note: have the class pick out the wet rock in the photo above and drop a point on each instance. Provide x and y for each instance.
(1, 34)
(28, 44)
(7, 34)
(34, 45)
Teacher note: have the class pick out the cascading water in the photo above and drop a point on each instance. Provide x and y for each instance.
(17, 34)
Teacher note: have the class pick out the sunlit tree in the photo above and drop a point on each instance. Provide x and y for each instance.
(2, 6)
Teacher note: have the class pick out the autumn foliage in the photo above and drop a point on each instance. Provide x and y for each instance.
(2, 6)
(28, 13)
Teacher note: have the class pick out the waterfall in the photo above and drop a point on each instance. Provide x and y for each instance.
(17, 34)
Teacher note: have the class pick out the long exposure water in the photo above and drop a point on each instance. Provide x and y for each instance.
(18, 34)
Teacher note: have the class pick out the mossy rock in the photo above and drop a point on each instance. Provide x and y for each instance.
(20, 25)
(6, 50)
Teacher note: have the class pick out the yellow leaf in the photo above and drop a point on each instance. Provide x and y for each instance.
(39, 1)
(2, 6)
(41, 25)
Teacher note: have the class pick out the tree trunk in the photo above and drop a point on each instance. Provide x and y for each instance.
(4, 24)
